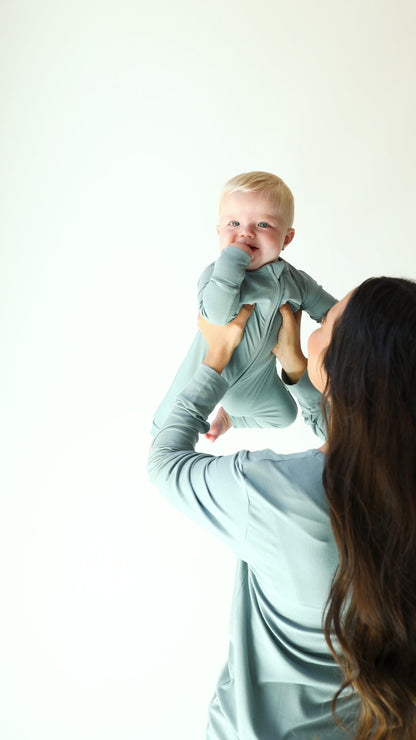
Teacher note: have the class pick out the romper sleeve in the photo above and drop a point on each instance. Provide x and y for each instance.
(210, 490)
(315, 300)
(310, 401)
(220, 286)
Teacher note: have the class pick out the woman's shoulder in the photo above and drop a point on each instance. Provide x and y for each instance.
(308, 457)
(273, 476)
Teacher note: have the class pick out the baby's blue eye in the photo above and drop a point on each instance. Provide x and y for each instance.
(263, 224)
(234, 223)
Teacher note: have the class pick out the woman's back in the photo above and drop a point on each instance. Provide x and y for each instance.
(281, 677)
(271, 509)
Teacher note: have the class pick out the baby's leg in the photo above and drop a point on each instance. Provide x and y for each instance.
(260, 400)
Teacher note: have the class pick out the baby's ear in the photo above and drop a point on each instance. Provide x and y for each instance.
(218, 228)
(288, 238)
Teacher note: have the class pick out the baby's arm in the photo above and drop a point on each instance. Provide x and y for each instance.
(316, 301)
(219, 287)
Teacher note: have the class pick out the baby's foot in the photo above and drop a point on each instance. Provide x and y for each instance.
(220, 425)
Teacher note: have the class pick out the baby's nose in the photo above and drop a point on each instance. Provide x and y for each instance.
(247, 230)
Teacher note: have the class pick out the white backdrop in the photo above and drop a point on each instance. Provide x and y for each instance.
(120, 120)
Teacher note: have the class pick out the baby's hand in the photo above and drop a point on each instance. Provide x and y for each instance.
(243, 246)
(247, 248)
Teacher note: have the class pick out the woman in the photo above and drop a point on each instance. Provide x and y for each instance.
(324, 608)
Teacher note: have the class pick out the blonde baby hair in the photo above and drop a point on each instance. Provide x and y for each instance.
(271, 186)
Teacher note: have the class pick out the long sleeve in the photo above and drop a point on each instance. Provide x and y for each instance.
(210, 490)
(310, 402)
(219, 287)
(315, 300)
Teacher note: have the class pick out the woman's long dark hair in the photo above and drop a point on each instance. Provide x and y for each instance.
(370, 483)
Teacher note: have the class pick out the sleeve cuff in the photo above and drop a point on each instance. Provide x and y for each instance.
(303, 390)
(204, 391)
(231, 265)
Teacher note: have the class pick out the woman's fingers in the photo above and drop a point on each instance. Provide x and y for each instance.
(289, 316)
(243, 315)
(222, 340)
(240, 321)
(288, 348)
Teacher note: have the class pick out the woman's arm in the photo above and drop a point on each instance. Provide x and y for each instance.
(288, 351)
(210, 490)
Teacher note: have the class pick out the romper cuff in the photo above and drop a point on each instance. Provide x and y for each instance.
(231, 265)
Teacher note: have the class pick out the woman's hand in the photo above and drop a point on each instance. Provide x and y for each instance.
(288, 348)
(222, 340)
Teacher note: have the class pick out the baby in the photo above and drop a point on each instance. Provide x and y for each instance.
(255, 226)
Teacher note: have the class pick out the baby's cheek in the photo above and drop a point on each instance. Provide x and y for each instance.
(226, 239)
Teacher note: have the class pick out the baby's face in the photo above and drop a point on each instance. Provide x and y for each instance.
(252, 223)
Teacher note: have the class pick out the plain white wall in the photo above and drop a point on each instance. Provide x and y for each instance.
(119, 123)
